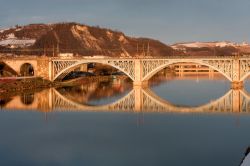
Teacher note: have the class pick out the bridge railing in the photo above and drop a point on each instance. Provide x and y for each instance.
(100, 56)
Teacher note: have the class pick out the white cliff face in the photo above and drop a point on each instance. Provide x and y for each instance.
(110, 35)
(123, 39)
(82, 34)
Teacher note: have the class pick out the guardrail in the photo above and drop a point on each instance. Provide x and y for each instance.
(3, 56)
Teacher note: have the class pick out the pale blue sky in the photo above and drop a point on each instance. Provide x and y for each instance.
(167, 20)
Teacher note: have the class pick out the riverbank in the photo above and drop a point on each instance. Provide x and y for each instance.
(11, 86)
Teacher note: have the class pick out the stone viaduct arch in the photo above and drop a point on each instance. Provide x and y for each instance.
(27, 69)
(16, 65)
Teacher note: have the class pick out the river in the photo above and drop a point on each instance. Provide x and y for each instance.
(190, 120)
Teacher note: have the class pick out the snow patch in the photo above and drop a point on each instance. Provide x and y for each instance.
(244, 44)
(13, 43)
(18, 29)
(205, 44)
(225, 44)
(2, 30)
(11, 36)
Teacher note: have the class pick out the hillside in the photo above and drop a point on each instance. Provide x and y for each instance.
(212, 48)
(79, 39)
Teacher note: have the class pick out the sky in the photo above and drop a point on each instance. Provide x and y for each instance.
(170, 21)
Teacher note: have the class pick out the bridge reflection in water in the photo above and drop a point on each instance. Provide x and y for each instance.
(137, 100)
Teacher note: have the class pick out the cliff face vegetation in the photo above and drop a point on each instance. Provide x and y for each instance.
(79, 39)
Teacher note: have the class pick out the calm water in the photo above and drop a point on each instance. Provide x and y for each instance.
(181, 121)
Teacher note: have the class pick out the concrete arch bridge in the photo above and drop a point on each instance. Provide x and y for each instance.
(140, 70)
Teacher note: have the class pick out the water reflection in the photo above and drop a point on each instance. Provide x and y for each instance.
(96, 93)
(165, 94)
(190, 90)
(96, 138)
(3, 102)
(27, 98)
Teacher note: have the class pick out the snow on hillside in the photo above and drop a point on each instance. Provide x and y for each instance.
(4, 29)
(13, 43)
(207, 44)
(11, 36)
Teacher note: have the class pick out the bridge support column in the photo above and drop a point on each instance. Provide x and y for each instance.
(84, 67)
(44, 68)
(236, 103)
(211, 73)
(138, 81)
(45, 100)
(236, 82)
(138, 98)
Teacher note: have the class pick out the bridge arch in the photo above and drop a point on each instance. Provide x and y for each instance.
(27, 69)
(73, 66)
(161, 67)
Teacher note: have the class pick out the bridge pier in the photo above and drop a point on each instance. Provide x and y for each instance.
(84, 67)
(237, 101)
(237, 85)
(138, 78)
(140, 83)
(138, 98)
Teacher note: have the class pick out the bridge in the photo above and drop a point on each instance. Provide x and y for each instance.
(139, 99)
(139, 70)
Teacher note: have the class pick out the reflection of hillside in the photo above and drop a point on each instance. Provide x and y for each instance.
(93, 91)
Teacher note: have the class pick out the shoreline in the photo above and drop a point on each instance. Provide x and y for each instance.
(12, 87)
